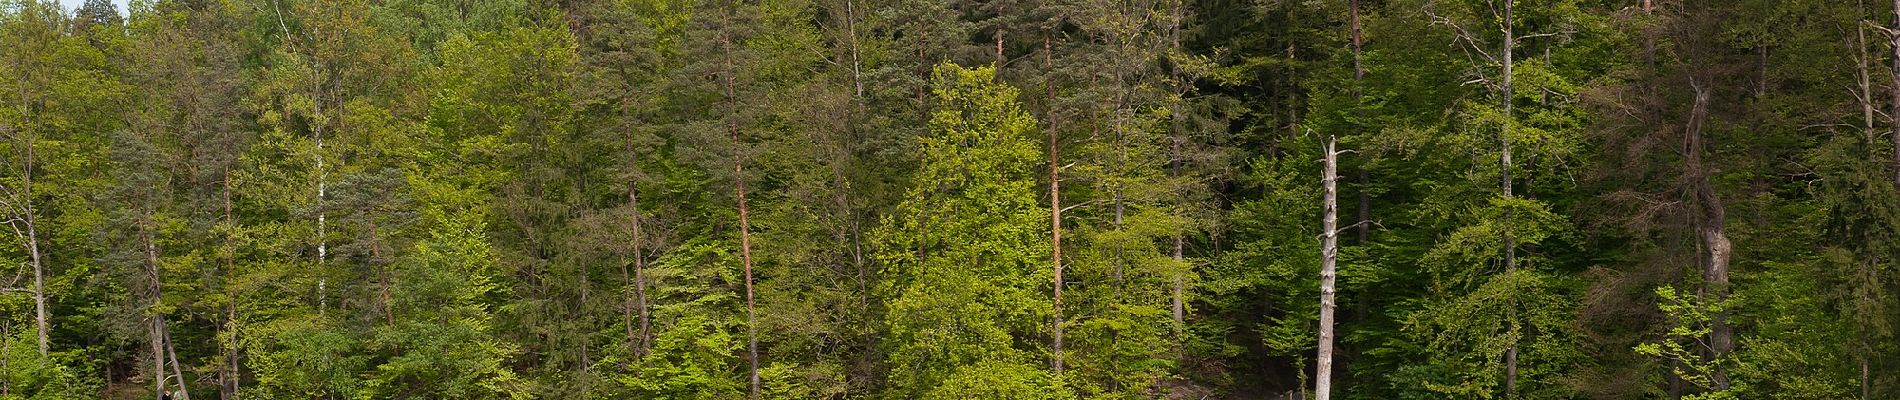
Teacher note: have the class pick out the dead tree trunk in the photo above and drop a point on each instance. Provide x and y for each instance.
(738, 183)
(1329, 257)
(160, 335)
(1710, 230)
(1358, 78)
(1894, 90)
(1055, 211)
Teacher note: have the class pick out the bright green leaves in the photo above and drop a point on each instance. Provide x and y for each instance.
(966, 256)
(1685, 347)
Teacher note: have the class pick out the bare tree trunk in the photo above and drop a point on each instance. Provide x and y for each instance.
(1177, 299)
(22, 208)
(159, 336)
(158, 358)
(1711, 231)
(323, 248)
(171, 351)
(1055, 241)
(1504, 163)
(1329, 256)
(851, 27)
(738, 179)
(1864, 76)
(40, 320)
(1894, 108)
(1358, 77)
(1055, 205)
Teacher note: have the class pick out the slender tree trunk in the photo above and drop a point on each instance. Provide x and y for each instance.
(24, 207)
(851, 27)
(999, 53)
(1055, 241)
(1864, 76)
(1711, 231)
(1055, 201)
(1177, 298)
(158, 358)
(323, 248)
(1504, 164)
(40, 320)
(1894, 90)
(1358, 79)
(171, 351)
(1329, 257)
(160, 336)
(738, 179)
(230, 376)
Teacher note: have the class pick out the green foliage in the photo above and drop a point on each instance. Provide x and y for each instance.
(965, 270)
(1684, 346)
(439, 198)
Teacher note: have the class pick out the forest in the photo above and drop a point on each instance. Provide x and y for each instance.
(950, 199)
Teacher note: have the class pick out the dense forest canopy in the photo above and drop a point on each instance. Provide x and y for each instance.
(950, 199)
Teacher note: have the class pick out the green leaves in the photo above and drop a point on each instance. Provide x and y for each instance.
(1685, 345)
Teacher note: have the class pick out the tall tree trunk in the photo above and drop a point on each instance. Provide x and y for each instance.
(738, 182)
(1894, 90)
(40, 321)
(851, 27)
(1329, 256)
(1358, 79)
(1711, 230)
(1864, 76)
(158, 358)
(1055, 241)
(23, 207)
(1055, 204)
(229, 386)
(160, 335)
(1504, 165)
(171, 351)
(1177, 298)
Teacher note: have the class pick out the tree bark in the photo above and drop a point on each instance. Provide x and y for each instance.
(1329, 256)
(1710, 230)
(158, 358)
(1055, 203)
(1894, 90)
(1358, 79)
(1504, 163)
(1177, 298)
(323, 248)
(160, 335)
(171, 351)
(738, 179)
